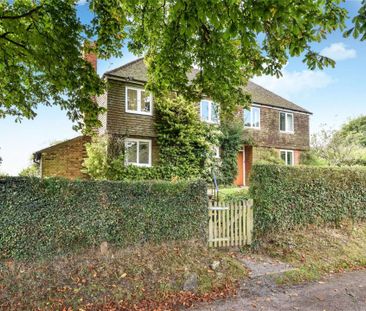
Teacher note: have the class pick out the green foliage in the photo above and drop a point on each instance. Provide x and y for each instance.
(51, 216)
(311, 158)
(185, 147)
(96, 163)
(221, 37)
(231, 143)
(355, 130)
(42, 63)
(340, 148)
(233, 194)
(359, 21)
(30, 171)
(286, 197)
(267, 156)
(184, 140)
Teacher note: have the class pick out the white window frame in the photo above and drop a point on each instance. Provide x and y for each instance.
(211, 103)
(251, 118)
(216, 151)
(286, 152)
(138, 111)
(137, 140)
(286, 124)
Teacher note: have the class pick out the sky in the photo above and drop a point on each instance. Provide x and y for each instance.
(333, 95)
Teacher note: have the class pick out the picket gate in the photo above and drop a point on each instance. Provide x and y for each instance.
(230, 223)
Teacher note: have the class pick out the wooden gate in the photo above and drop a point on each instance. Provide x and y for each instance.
(230, 224)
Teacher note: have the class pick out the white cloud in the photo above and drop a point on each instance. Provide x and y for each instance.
(338, 51)
(82, 2)
(294, 83)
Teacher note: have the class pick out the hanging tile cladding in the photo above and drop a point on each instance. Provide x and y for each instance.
(121, 122)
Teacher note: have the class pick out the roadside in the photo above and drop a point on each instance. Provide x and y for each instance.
(346, 291)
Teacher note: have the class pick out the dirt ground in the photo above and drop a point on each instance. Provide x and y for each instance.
(346, 292)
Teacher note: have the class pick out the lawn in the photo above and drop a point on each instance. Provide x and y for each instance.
(140, 278)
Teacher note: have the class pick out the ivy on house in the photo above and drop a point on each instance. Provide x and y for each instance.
(185, 147)
(231, 142)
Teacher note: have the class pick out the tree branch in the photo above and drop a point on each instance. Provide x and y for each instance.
(14, 42)
(30, 12)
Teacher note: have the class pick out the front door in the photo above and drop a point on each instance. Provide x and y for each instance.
(239, 181)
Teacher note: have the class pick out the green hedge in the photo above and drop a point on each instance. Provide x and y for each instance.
(51, 216)
(286, 197)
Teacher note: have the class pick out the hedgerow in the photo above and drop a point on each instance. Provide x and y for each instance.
(286, 197)
(51, 216)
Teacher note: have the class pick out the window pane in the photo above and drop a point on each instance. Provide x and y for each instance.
(204, 110)
(289, 158)
(256, 117)
(290, 124)
(214, 113)
(282, 121)
(283, 156)
(144, 153)
(131, 152)
(131, 99)
(145, 102)
(247, 118)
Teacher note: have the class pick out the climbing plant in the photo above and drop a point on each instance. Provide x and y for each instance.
(232, 140)
(185, 147)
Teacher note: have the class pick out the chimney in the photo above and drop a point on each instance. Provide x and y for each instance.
(89, 55)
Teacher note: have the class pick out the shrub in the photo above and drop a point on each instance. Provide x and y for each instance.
(51, 216)
(234, 194)
(286, 197)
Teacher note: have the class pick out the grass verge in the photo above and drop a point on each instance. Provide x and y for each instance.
(141, 278)
(316, 251)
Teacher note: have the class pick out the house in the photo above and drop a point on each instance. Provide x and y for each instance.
(272, 121)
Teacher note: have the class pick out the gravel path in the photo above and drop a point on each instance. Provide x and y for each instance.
(346, 292)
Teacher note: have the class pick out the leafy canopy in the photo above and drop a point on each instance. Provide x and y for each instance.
(229, 41)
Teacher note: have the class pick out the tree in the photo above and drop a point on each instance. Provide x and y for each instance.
(355, 130)
(229, 41)
(333, 148)
(30, 171)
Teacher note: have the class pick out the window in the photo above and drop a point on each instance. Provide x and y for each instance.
(286, 122)
(252, 117)
(216, 151)
(138, 152)
(209, 111)
(138, 101)
(287, 156)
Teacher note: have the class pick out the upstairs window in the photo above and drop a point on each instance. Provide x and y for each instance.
(138, 152)
(287, 157)
(138, 101)
(286, 122)
(209, 111)
(252, 117)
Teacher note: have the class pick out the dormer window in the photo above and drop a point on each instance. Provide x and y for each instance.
(138, 101)
(209, 111)
(286, 122)
(252, 117)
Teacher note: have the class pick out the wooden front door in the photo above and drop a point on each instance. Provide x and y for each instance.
(239, 181)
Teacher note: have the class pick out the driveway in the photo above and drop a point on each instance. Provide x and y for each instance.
(346, 292)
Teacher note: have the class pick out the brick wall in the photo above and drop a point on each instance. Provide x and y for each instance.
(65, 159)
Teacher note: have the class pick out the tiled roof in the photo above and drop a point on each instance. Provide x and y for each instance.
(136, 70)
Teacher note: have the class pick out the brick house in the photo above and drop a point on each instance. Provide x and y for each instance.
(272, 122)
